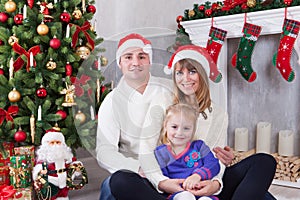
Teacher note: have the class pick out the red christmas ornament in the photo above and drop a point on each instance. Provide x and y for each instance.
(1, 43)
(18, 18)
(69, 69)
(288, 2)
(201, 8)
(30, 3)
(214, 6)
(62, 113)
(179, 19)
(208, 12)
(65, 17)
(20, 135)
(3, 17)
(1, 71)
(244, 6)
(91, 9)
(55, 43)
(41, 92)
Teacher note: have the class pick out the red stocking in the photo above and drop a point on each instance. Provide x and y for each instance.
(213, 47)
(282, 58)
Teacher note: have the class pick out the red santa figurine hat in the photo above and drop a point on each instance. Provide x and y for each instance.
(133, 40)
(198, 54)
(53, 135)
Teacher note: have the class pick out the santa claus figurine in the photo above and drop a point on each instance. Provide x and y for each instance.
(54, 158)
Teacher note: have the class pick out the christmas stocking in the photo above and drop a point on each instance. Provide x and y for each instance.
(242, 59)
(213, 47)
(281, 59)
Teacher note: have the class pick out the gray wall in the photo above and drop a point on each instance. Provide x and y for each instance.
(269, 98)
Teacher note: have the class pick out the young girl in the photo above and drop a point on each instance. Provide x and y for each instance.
(182, 157)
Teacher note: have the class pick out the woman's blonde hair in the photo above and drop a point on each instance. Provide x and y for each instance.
(202, 93)
(185, 111)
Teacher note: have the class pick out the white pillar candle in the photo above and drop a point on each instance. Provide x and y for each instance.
(68, 31)
(263, 137)
(92, 113)
(31, 59)
(99, 64)
(241, 139)
(39, 117)
(25, 12)
(286, 143)
(11, 68)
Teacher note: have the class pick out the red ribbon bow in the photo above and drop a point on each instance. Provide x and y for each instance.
(6, 192)
(86, 26)
(11, 111)
(78, 83)
(20, 50)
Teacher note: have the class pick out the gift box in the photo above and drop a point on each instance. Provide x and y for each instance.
(19, 172)
(28, 151)
(8, 148)
(23, 194)
(4, 175)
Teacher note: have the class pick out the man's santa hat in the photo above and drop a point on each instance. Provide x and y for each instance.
(133, 40)
(194, 52)
(53, 135)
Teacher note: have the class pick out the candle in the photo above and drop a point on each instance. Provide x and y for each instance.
(11, 68)
(263, 137)
(39, 117)
(55, 1)
(32, 128)
(31, 59)
(24, 12)
(92, 113)
(68, 31)
(241, 139)
(286, 143)
(99, 64)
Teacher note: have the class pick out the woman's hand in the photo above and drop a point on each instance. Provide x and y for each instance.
(206, 188)
(224, 155)
(191, 181)
(170, 185)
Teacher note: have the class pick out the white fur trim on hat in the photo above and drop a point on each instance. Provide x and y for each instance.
(133, 40)
(196, 53)
(50, 136)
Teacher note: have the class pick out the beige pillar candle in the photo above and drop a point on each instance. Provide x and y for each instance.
(263, 137)
(286, 143)
(241, 139)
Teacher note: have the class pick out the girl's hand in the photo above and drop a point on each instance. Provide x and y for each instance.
(191, 181)
(171, 185)
(206, 188)
(224, 155)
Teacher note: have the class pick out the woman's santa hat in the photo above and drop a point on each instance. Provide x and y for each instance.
(133, 40)
(198, 54)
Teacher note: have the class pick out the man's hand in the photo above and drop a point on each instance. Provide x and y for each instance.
(206, 188)
(171, 185)
(224, 155)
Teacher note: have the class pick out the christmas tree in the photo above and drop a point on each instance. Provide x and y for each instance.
(50, 74)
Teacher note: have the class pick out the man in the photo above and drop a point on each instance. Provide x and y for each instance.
(122, 113)
(55, 154)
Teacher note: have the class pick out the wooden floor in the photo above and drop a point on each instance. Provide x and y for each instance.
(96, 175)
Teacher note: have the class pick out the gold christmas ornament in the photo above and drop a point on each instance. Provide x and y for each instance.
(83, 51)
(51, 65)
(104, 61)
(69, 92)
(10, 6)
(14, 95)
(56, 127)
(191, 13)
(42, 29)
(13, 39)
(77, 14)
(80, 117)
(251, 3)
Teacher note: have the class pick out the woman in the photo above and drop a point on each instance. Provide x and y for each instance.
(248, 179)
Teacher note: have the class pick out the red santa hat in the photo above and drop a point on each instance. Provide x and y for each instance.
(133, 40)
(194, 52)
(53, 135)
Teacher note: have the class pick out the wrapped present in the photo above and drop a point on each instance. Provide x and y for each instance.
(28, 151)
(19, 172)
(4, 175)
(7, 192)
(8, 148)
(23, 194)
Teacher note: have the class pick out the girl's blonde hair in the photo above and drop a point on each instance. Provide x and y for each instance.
(202, 94)
(185, 111)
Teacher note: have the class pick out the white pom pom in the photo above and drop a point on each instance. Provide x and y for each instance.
(167, 70)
